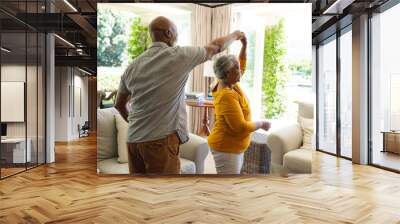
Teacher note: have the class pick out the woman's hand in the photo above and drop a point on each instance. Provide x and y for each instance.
(243, 39)
(266, 125)
(242, 54)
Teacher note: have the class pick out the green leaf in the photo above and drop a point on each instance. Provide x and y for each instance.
(139, 39)
(274, 78)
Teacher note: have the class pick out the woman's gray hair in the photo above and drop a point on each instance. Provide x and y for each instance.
(223, 64)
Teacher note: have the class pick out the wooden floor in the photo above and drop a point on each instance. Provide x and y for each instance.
(387, 159)
(10, 171)
(5, 172)
(70, 191)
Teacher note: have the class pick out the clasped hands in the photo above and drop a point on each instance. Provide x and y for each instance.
(240, 36)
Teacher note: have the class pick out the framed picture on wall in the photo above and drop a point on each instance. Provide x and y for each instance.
(12, 101)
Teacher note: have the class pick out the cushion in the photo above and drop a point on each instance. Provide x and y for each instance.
(298, 161)
(187, 166)
(122, 133)
(196, 149)
(112, 166)
(305, 110)
(307, 125)
(106, 134)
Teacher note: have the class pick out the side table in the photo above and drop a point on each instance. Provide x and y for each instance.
(205, 129)
(391, 141)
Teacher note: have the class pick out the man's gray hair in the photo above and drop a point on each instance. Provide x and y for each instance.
(223, 64)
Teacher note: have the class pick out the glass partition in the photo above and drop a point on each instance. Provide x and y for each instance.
(22, 77)
(385, 89)
(32, 98)
(346, 94)
(327, 96)
(13, 92)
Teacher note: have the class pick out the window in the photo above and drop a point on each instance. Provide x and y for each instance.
(289, 64)
(385, 87)
(346, 93)
(116, 48)
(22, 74)
(327, 96)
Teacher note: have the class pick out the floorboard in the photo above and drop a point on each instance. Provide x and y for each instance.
(70, 191)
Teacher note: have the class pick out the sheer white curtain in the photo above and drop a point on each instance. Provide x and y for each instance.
(221, 26)
(207, 24)
(221, 23)
(201, 36)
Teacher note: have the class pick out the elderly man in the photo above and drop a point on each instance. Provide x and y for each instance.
(156, 82)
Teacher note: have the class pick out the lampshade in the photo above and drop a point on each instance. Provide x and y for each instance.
(208, 70)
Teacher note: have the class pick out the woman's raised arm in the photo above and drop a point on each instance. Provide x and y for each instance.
(242, 55)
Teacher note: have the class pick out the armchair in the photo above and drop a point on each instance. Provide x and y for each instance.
(290, 152)
(192, 154)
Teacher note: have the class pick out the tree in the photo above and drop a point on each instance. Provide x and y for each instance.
(111, 38)
(139, 39)
(274, 77)
(303, 67)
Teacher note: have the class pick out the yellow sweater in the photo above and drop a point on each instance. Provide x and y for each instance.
(232, 128)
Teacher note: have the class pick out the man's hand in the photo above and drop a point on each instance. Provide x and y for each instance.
(238, 34)
(120, 104)
(221, 43)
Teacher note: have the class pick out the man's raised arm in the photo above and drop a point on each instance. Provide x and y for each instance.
(221, 43)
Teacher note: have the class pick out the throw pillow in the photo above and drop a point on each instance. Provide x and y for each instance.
(106, 134)
(305, 110)
(122, 133)
(307, 125)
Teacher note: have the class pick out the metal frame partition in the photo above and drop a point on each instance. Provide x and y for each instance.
(36, 63)
(335, 35)
(382, 8)
(341, 27)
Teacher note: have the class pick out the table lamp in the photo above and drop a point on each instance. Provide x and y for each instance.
(208, 72)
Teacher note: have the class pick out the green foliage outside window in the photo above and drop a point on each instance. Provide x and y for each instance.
(274, 76)
(111, 38)
(108, 82)
(139, 39)
(116, 43)
(303, 67)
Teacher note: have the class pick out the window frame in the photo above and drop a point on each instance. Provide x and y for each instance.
(333, 37)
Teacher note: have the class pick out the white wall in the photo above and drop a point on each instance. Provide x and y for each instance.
(61, 103)
(33, 127)
(10, 73)
(17, 73)
(81, 89)
(69, 85)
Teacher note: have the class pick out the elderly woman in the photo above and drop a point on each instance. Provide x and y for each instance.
(230, 136)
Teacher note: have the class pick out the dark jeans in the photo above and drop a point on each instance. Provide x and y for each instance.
(155, 157)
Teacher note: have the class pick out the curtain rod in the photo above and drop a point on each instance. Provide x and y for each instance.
(212, 6)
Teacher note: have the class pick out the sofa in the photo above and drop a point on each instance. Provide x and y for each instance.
(291, 145)
(192, 154)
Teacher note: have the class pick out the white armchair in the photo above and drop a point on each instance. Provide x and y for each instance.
(196, 150)
(288, 154)
(192, 154)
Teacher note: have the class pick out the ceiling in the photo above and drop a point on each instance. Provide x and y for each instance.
(75, 21)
